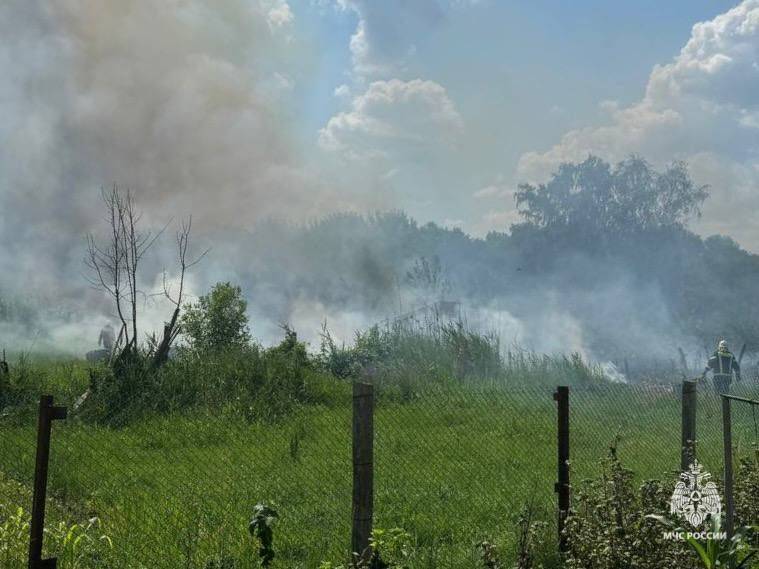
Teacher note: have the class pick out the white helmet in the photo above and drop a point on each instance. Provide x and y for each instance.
(722, 346)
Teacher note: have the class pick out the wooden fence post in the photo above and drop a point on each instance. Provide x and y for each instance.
(688, 431)
(727, 439)
(561, 396)
(47, 414)
(363, 468)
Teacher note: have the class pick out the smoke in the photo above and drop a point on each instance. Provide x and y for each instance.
(183, 102)
(180, 101)
(186, 103)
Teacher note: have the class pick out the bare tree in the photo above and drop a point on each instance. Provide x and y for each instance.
(115, 264)
(171, 329)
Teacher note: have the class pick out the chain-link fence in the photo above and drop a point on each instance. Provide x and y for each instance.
(453, 467)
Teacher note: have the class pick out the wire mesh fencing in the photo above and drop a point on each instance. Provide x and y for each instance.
(452, 467)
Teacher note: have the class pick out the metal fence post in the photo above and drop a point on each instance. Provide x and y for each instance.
(561, 396)
(47, 414)
(727, 438)
(688, 431)
(363, 464)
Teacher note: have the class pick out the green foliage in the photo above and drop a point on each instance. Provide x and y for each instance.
(221, 563)
(262, 528)
(603, 199)
(411, 356)
(280, 415)
(14, 537)
(260, 384)
(76, 545)
(79, 545)
(64, 379)
(747, 490)
(217, 321)
(608, 526)
(389, 549)
(714, 552)
(531, 534)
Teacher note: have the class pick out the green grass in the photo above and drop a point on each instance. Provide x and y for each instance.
(453, 466)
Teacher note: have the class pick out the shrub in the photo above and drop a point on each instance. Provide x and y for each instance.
(217, 321)
(389, 549)
(608, 527)
(259, 384)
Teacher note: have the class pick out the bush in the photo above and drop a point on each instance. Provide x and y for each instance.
(260, 384)
(609, 528)
(217, 321)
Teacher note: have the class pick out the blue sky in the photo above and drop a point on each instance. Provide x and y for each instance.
(538, 54)
(518, 77)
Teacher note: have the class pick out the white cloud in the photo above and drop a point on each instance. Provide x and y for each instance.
(701, 107)
(278, 13)
(391, 116)
(498, 189)
(386, 32)
(342, 91)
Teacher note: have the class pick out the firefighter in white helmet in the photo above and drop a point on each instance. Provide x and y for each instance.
(722, 364)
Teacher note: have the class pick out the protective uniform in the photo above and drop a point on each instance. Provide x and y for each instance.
(722, 365)
(107, 338)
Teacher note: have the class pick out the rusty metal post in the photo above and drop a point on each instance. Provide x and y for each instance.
(562, 488)
(47, 414)
(363, 468)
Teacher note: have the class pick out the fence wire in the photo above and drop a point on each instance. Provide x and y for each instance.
(453, 467)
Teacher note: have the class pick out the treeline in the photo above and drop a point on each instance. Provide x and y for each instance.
(606, 246)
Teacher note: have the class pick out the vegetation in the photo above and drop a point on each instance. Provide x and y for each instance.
(77, 545)
(600, 200)
(164, 456)
(217, 321)
(413, 353)
(208, 437)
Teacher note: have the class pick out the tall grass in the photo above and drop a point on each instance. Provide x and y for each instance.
(433, 351)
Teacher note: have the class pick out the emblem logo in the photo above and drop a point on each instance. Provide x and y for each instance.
(695, 496)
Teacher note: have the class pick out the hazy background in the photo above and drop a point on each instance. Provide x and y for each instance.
(244, 111)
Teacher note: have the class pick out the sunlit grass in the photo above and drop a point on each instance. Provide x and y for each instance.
(453, 467)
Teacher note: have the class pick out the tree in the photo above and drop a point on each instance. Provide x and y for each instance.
(599, 198)
(217, 320)
(171, 328)
(115, 263)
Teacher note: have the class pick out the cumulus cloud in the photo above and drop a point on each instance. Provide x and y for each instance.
(386, 31)
(497, 189)
(702, 108)
(394, 117)
(278, 13)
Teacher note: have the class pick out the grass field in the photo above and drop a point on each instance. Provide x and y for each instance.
(453, 467)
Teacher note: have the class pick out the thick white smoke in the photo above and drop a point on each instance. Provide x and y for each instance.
(177, 100)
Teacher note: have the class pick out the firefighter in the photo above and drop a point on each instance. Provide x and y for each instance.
(4, 369)
(722, 365)
(107, 338)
